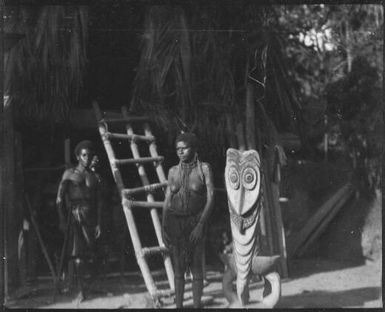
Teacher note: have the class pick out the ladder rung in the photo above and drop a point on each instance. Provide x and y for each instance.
(134, 137)
(125, 119)
(170, 292)
(164, 292)
(146, 188)
(149, 251)
(138, 160)
(145, 204)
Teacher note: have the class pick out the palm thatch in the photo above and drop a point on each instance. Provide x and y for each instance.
(164, 58)
(44, 71)
(193, 72)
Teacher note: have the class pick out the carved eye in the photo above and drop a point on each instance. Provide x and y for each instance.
(249, 178)
(234, 178)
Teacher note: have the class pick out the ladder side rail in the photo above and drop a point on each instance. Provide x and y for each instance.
(150, 284)
(145, 181)
(150, 198)
(154, 153)
(108, 147)
(159, 170)
(140, 256)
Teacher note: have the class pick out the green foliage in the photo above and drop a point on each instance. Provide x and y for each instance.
(319, 37)
(355, 103)
(322, 43)
(336, 52)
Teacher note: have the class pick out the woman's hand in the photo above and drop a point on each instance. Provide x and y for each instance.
(197, 233)
(165, 240)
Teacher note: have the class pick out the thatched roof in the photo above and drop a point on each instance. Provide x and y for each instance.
(45, 69)
(156, 57)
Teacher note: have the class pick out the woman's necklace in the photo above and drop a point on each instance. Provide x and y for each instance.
(184, 171)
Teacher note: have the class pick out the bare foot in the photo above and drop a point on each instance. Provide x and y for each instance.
(79, 298)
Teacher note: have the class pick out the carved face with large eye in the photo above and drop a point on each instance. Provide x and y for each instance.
(243, 179)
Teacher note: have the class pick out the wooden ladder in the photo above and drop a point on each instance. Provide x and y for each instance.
(126, 194)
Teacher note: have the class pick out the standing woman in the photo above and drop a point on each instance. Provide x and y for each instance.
(79, 198)
(188, 202)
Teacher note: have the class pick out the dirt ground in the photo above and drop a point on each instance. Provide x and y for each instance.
(313, 283)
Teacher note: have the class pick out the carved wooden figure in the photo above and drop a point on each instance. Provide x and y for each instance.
(244, 192)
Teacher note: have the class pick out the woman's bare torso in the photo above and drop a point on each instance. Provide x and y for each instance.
(82, 186)
(195, 187)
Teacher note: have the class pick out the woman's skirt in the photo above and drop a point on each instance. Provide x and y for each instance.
(177, 231)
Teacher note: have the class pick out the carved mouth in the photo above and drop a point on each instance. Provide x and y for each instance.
(246, 220)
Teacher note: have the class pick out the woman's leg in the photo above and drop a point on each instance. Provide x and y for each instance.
(79, 266)
(197, 272)
(227, 285)
(179, 269)
(77, 253)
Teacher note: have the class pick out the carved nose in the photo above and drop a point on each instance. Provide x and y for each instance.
(241, 200)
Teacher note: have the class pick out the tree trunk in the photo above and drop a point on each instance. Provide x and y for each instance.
(19, 186)
(241, 137)
(272, 196)
(230, 131)
(67, 152)
(2, 171)
(250, 117)
(10, 217)
(349, 55)
(11, 211)
(2, 203)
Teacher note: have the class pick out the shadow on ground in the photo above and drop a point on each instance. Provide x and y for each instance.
(324, 299)
(42, 293)
(299, 268)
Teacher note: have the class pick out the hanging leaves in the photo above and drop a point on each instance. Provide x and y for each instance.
(194, 71)
(45, 70)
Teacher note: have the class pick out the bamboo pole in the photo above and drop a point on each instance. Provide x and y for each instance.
(326, 221)
(64, 247)
(135, 137)
(150, 197)
(146, 204)
(317, 218)
(241, 137)
(2, 171)
(10, 217)
(326, 138)
(2, 201)
(276, 221)
(154, 153)
(280, 230)
(250, 117)
(2, 221)
(149, 251)
(230, 131)
(140, 160)
(126, 208)
(41, 242)
(162, 178)
(19, 187)
(125, 120)
(67, 152)
(265, 219)
(146, 188)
